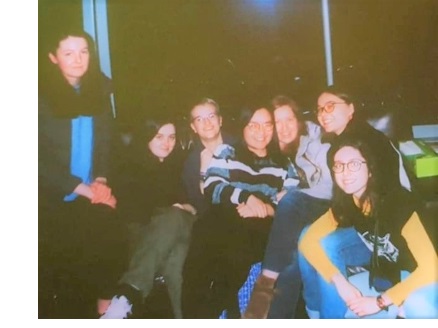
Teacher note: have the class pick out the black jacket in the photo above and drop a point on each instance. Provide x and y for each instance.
(142, 184)
(54, 146)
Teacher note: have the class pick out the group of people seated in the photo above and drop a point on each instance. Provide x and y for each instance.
(324, 205)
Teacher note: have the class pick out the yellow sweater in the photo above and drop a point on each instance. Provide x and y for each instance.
(413, 232)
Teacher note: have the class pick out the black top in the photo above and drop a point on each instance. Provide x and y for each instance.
(144, 184)
(383, 234)
(54, 140)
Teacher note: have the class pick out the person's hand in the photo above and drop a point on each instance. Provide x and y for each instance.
(178, 205)
(257, 206)
(102, 194)
(111, 202)
(186, 207)
(364, 305)
(345, 289)
(245, 211)
(102, 180)
(280, 195)
(269, 210)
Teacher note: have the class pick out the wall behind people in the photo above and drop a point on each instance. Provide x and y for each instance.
(231, 50)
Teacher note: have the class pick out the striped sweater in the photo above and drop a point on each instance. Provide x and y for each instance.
(233, 175)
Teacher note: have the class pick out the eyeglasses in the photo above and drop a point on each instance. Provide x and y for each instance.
(328, 107)
(352, 166)
(201, 119)
(255, 126)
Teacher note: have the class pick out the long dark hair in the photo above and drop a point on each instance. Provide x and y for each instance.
(62, 99)
(281, 100)
(388, 213)
(340, 91)
(383, 202)
(346, 213)
(146, 131)
(386, 203)
(245, 115)
(349, 95)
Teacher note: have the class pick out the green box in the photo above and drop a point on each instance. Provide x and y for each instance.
(423, 165)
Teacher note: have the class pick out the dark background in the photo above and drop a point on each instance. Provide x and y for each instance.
(166, 54)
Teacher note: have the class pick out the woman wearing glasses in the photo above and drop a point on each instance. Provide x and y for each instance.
(244, 184)
(302, 152)
(367, 227)
(336, 115)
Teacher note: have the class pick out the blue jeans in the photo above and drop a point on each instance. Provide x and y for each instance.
(295, 211)
(288, 288)
(420, 304)
(345, 248)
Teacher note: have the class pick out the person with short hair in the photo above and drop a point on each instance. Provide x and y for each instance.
(82, 245)
(206, 124)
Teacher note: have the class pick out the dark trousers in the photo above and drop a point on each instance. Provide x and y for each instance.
(223, 248)
(161, 248)
(295, 211)
(82, 254)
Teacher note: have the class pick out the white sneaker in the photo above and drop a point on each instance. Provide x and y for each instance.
(119, 308)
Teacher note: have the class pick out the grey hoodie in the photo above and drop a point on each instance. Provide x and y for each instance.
(312, 159)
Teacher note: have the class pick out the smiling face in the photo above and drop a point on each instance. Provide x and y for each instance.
(206, 122)
(286, 125)
(337, 120)
(353, 179)
(258, 132)
(163, 143)
(72, 57)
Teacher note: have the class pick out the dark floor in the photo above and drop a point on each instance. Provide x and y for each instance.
(156, 306)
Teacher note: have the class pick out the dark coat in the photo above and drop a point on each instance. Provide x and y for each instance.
(142, 184)
(54, 145)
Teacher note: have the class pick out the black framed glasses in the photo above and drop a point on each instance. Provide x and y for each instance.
(328, 107)
(352, 166)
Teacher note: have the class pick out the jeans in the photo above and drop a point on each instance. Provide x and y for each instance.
(345, 248)
(295, 211)
(288, 288)
(420, 304)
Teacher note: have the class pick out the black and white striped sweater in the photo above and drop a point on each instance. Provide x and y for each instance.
(235, 174)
